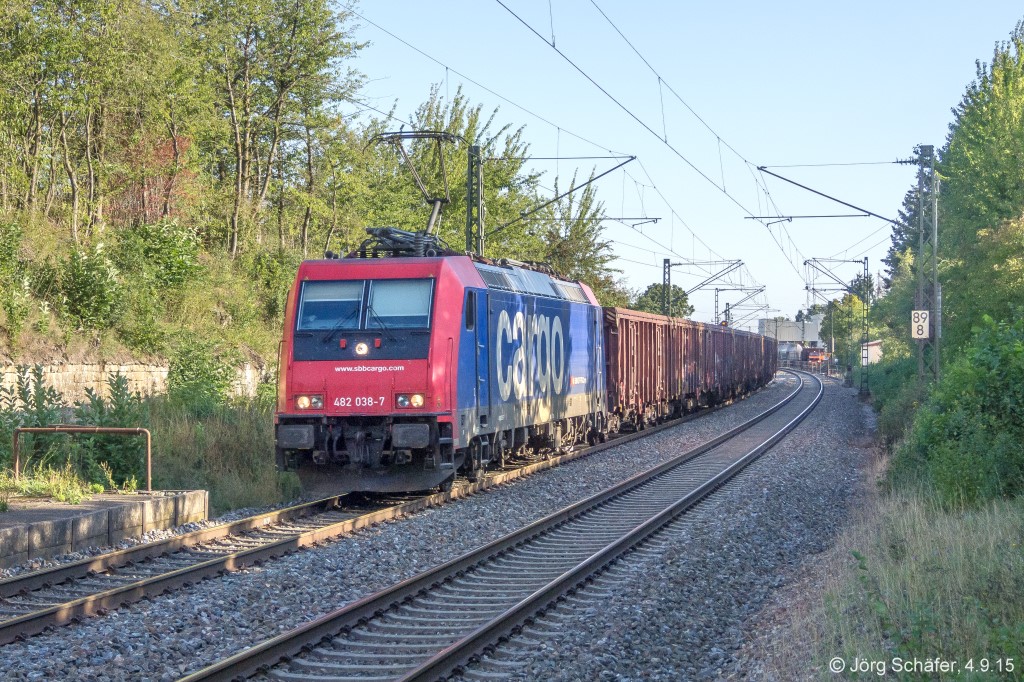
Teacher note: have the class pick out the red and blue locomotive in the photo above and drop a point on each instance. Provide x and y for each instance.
(401, 366)
(400, 370)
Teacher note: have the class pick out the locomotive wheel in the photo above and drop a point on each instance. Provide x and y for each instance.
(446, 484)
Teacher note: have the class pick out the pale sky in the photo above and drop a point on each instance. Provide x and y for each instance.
(799, 84)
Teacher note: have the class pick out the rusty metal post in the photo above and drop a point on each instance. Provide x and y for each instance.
(113, 430)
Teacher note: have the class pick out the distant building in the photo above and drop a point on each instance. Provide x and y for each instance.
(805, 332)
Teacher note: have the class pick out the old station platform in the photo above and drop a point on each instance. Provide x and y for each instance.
(40, 528)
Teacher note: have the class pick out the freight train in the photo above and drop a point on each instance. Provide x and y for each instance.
(401, 365)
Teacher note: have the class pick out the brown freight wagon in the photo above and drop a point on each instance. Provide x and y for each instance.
(660, 367)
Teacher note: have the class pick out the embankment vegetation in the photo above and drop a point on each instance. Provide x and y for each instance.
(937, 570)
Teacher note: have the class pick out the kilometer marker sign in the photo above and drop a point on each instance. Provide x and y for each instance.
(919, 326)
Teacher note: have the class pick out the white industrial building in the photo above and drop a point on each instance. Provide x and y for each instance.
(805, 332)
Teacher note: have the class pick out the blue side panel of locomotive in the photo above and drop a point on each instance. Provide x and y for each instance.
(539, 359)
(541, 350)
(472, 378)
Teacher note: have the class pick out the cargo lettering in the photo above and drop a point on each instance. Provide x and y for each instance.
(542, 337)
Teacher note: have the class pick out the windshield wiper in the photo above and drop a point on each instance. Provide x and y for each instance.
(339, 326)
(382, 324)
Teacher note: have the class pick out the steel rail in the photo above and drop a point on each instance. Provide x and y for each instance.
(102, 601)
(62, 613)
(287, 645)
(462, 651)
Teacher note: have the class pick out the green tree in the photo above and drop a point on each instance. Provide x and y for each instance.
(906, 231)
(815, 309)
(573, 246)
(843, 323)
(983, 196)
(651, 301)
(509, 188)
(890, 314)
(863, 287)
(270, 61)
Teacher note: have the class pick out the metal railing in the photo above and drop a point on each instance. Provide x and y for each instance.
(113, 430)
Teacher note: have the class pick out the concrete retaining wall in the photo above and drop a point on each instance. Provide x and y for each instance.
(121, 517)
(71, 380)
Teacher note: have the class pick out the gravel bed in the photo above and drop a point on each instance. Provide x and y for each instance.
(769, 528)
(683, 608)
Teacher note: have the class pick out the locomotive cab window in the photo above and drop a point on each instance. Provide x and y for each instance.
(399, 303)
(330, 305)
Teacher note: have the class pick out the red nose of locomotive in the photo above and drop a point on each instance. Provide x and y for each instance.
(365, 362)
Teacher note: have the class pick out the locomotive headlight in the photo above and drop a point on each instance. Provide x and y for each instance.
(309, 402)
(362, 348)
(406, 400)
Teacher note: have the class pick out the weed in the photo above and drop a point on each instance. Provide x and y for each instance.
(929, 583)
(63, 484)
(7, 489)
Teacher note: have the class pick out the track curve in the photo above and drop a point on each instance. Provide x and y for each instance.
(430, 625)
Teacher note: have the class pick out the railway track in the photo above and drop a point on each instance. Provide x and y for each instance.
(431, 625)
(32, 602)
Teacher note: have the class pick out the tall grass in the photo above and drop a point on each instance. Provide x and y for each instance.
(228, 451)
(922, 582)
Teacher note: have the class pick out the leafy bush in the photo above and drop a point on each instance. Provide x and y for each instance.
(112, 459)
(15, 302)
(90, 293)
(31, 403)
(140, 329)
(165, 252)
(14, 285)
(199, 376)
(968, 438)
(274, 273)
(10, 242)
(896, 395)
